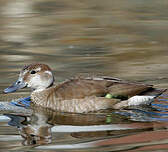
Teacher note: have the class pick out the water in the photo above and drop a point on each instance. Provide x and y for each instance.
(125, 39)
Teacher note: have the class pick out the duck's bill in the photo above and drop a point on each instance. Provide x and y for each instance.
(15, 86)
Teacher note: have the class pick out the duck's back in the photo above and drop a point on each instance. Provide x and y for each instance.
(86, 94)
(85, 87)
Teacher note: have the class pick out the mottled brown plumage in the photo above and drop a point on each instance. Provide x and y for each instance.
(86, 94)
(84, 87)
(79, 94)
(32, 66)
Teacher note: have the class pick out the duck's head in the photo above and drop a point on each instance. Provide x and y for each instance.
(36, 76)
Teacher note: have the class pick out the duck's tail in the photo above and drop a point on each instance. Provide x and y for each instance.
(145, 98)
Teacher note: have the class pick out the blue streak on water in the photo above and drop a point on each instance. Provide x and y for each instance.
(159, 105)
(162, 99)
(24, 102)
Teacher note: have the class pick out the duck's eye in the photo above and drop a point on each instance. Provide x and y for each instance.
(32, 72)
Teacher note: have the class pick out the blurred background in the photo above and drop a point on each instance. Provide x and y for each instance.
(125, 39)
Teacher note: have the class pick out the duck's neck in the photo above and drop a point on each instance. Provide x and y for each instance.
(43, 88)
(51, 84)
(40, 96)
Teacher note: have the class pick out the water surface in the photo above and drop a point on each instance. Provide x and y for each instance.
(125, 39)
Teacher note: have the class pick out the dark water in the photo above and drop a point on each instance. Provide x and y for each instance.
(125, 39)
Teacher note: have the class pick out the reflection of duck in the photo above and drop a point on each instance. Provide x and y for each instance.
(79, 94)
(60, 118)
(36, 127)
(37, 131)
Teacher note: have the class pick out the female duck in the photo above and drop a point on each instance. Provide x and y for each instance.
(78, 95)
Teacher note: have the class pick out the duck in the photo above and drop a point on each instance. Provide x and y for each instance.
(81, 94)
